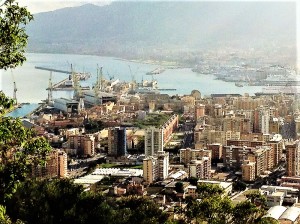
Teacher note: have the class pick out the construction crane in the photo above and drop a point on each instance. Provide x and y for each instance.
(15, 88)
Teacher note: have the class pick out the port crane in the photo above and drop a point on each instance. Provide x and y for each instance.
(15, 88)
(77, 89)
(99, 84)
(50, 89)
(133, 81)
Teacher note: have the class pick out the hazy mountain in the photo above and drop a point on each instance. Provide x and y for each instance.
(131, 26)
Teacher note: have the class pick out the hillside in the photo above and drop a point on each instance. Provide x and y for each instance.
(128, 27)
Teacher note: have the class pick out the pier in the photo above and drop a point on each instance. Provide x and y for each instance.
(275, 83)
(167, 89)
(156, 71)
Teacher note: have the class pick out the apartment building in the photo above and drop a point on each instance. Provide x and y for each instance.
(200, 168)
(248, 170)
(156, 167)
(163, 164)
(154, 141)
(188, 154)
(84, 144)
(276, 142)
(233, 156)
(117, 141)
(150, 171)
(293, 158)
(216, 150)
(55, 166)
(237, 124)
(199, 111)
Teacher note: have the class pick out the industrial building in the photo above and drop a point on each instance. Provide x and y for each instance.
(97, 98)
(66, 105)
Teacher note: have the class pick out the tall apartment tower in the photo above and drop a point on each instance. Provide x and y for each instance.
(88, 145)
(117, 145)
(150, 171)
(200, 168)
(85, 144)
(248, 170)
(154, 141)
(199, 111)
(55, 166)
(293, 158)
(62, 164)
(163, 164)
(261, 120)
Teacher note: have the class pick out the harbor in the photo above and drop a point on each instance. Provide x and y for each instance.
(182, 79)
(24, 110)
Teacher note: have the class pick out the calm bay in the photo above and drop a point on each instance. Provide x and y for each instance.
(32, 83)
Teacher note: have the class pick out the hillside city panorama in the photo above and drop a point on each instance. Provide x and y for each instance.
(149, 112)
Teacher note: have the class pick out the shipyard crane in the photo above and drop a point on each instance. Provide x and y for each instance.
(77, 89)
(111, 77)
(15, 88)
(50, 89)
(99, 84)
(133, 81)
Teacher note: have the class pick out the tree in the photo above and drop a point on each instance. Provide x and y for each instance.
(245, 212)
(267, 220)
(140, 210)
(179, 187)
(213, 209)
(257, 198)
(5, 103)
(207, 190)
(239, 186)
(45, 201)
(13, 38)
(20, 150)
(3, 217)
(193, 181)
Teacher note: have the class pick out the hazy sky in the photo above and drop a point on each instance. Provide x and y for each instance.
(36, 6)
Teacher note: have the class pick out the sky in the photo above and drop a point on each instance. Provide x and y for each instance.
(36, 6)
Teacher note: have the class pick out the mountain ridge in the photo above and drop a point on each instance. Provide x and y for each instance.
(124, 26)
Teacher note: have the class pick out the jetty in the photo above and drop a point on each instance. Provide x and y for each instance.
(156, 71)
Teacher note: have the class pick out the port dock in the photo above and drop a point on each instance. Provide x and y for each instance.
(156, 71)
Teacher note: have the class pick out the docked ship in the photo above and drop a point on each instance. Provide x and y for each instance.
(238, 84)
(145, 87)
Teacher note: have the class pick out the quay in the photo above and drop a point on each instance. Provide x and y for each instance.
(167, 89)
(275, 83)
(156, 71)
